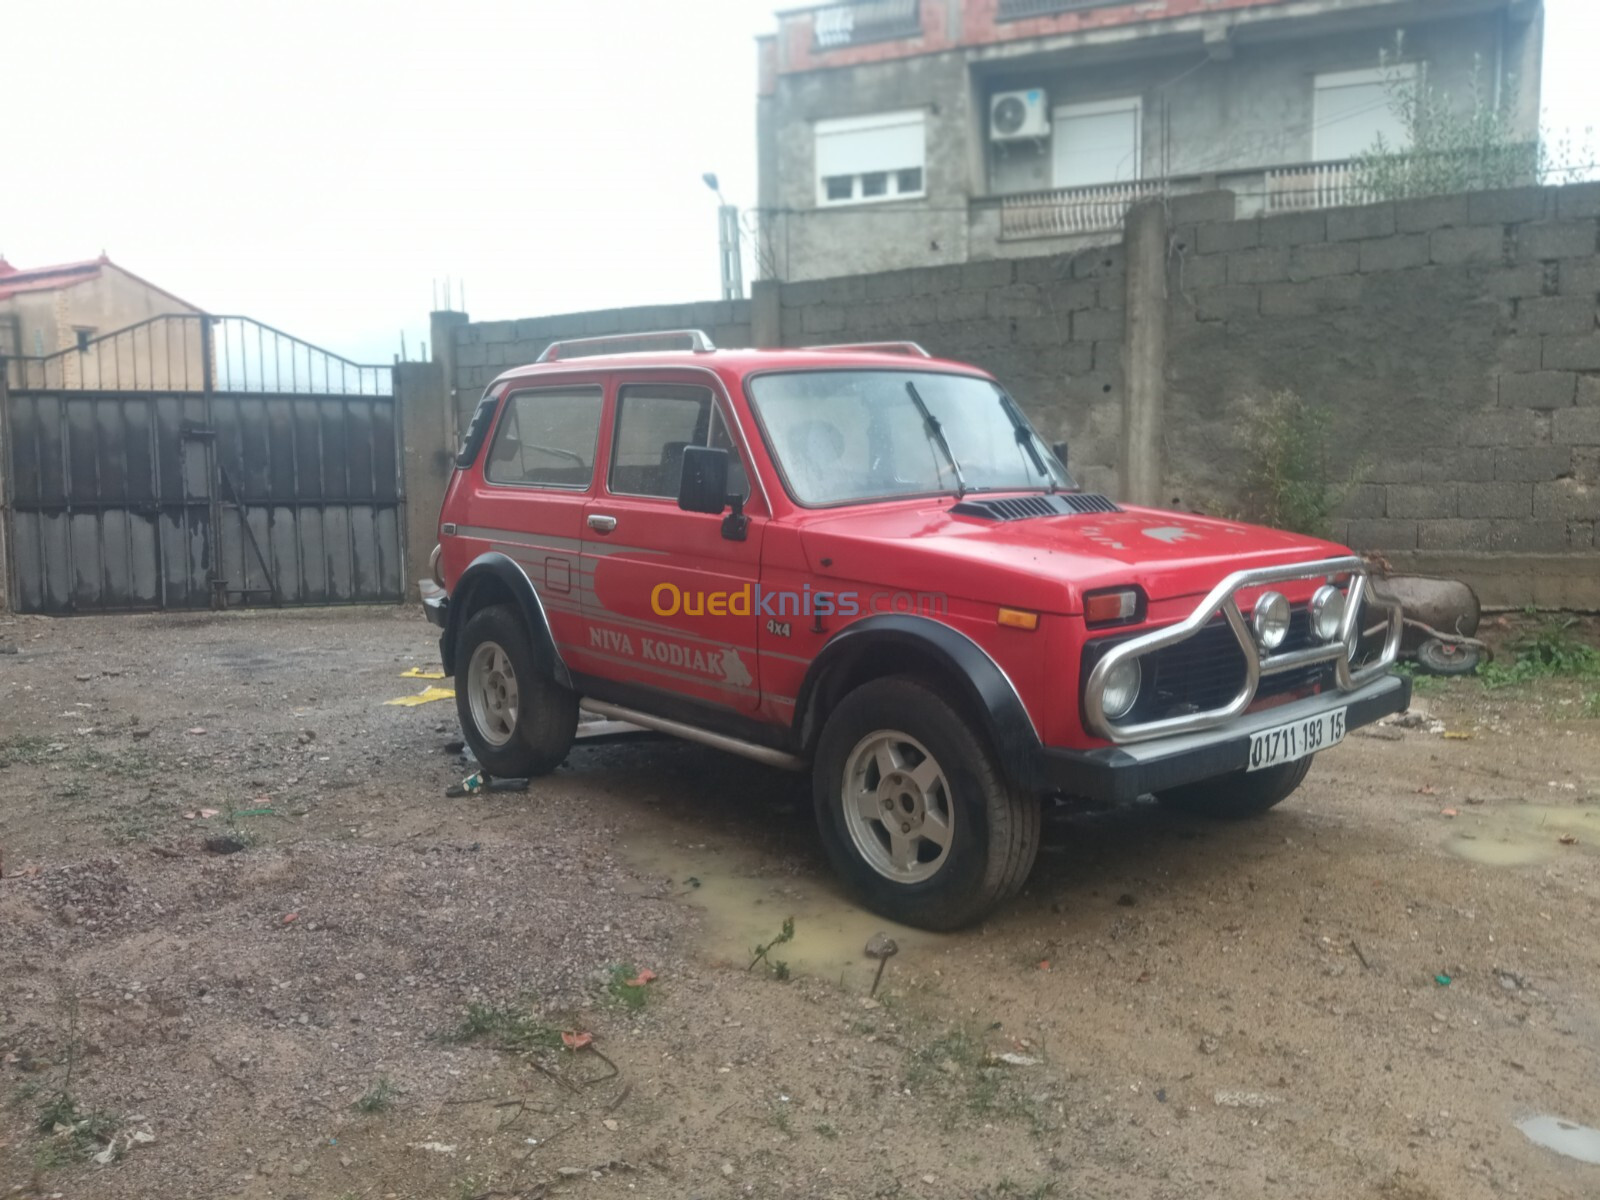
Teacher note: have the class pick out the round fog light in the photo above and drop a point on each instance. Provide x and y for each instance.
(1122, 689)
(1271, 620)
(1327, 612)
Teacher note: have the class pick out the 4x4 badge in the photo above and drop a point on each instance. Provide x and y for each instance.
(778, 628)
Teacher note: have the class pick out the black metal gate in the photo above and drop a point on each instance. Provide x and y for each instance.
(196, 461)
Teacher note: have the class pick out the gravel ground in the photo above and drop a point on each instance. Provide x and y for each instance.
(1358, 996)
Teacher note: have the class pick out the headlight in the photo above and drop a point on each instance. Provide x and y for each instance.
(433, 565)
(1271, 620)
(1122, 688)
(1327, 612)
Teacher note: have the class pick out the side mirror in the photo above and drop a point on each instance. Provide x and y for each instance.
(1059, 449)
(703, 488)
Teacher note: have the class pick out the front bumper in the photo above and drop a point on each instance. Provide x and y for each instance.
(437, 610)
(1126, 772)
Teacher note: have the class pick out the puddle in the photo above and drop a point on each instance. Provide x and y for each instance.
(743, 909)
(1515, 835)
(1573, 1141)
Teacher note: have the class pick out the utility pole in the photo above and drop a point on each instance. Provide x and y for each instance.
(730, 258)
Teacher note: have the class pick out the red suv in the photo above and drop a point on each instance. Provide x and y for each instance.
(864, 562)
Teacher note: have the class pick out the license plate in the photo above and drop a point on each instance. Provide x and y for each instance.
(1285, 743)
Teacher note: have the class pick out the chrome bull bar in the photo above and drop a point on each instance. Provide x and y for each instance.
(1221, 599)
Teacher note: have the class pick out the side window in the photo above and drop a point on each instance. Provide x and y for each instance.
(547, 438)
(655, 423)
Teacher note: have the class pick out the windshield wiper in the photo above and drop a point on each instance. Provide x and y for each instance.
(936, 432)
(1025, 438)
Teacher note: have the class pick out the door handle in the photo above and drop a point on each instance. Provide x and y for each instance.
(601, 524)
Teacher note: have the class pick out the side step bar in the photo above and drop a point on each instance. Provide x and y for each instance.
(689, 733)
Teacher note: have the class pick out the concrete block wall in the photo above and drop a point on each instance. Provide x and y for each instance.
(484, 349)
(1455, 341)
(1051, 328)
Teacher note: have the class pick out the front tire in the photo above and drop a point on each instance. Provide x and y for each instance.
(914, 812)
(517, 719)
(1240, 795)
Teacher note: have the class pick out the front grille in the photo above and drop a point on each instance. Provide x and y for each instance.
(1206, 671)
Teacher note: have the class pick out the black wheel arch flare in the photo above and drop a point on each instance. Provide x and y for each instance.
(983, 689)
(494, 578)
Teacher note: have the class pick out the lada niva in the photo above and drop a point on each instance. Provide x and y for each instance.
(864, 562)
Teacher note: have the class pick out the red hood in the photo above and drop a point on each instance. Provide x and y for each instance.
(1046, 563)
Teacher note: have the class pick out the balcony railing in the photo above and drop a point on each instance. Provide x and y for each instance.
(1067, 212)
(1016, 10)
(841, 25)
(1313, 185)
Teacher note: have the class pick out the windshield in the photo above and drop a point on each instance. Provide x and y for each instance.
(845, 436)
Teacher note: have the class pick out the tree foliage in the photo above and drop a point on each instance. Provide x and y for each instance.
(1457, 142)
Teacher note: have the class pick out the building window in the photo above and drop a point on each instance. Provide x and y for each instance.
(839, 187)
(85, 335)
(1096, 143)
(1354, 109)
(871, 158)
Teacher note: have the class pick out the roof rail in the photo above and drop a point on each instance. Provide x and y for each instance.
(628, 343)
(910, 349)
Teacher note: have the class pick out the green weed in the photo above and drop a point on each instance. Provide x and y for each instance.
(509, 1028)
(1288, 479)
(621, 987)
(762, 953)
(1543, 653)
(379, 1098)
(25, 751)
(75, 1134)
(1421, 682)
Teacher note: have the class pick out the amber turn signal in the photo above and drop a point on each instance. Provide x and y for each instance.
(1109, 608)
(1016, 618)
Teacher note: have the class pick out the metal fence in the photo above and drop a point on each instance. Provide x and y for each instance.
(1016, 10)
(196, 352)
(195, 461)
(853, 24)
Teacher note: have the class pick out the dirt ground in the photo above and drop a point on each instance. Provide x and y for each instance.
(1358, 996)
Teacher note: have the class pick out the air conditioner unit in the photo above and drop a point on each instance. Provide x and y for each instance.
(1017, 115)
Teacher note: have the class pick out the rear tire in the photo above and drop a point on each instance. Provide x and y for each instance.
(518, 720)
(914, 811)
(1238, 796)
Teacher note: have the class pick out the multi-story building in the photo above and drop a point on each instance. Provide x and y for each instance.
(897, 133)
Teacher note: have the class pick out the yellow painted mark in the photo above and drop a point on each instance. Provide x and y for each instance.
(426, 696)
(419, 673)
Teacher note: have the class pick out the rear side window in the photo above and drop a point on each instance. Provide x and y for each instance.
(477, 430)
(655, 422)
(547, 438)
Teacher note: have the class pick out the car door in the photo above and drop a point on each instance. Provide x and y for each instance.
(539, 473)
(671, 599)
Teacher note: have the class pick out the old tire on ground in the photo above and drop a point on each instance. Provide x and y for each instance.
(518, 721)
(914, 811)
(1239, 795)
(1439, 657)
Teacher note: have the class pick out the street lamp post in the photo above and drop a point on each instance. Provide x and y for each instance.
(732, 263)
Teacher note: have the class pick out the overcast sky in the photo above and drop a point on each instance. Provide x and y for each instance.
(318, 164)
